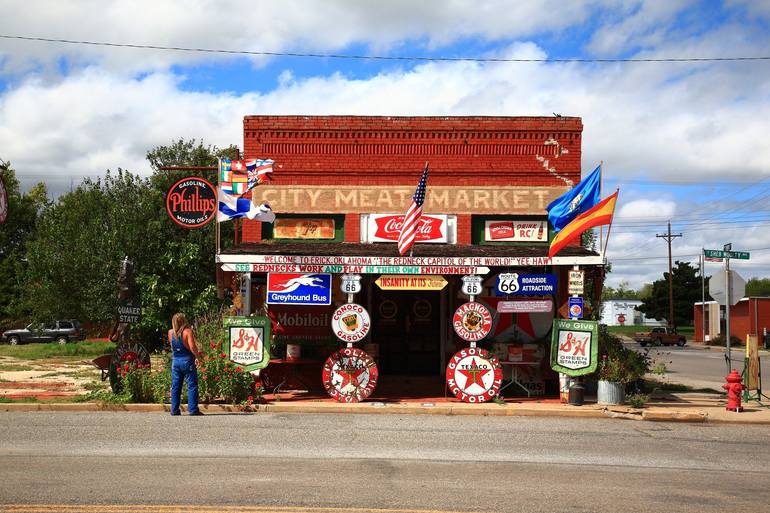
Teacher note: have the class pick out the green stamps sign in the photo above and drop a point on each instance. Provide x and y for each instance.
(574, 346)
(248, 341)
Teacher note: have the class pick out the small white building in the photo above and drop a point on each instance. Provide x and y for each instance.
(619, 312)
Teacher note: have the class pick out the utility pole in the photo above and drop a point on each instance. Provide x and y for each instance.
(669, 237)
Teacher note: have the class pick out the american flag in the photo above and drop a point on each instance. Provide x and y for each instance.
(412, 217)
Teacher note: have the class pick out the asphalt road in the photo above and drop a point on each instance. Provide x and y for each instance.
(699, 367)
(281, 462)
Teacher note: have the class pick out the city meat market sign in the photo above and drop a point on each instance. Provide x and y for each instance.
(574, 346)
(401, 282)
(362, 200)
(248, 341)
(191, 202)
(472, 321)
(474, 375)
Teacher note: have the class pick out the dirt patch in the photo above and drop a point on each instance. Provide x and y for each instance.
(42, 379)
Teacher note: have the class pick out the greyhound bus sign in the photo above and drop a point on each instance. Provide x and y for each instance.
(299, 289)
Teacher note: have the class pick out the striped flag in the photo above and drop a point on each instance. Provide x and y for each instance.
(412, 217)
(237, 177)
(599, 214)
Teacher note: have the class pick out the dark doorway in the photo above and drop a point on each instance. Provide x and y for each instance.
(407, 327)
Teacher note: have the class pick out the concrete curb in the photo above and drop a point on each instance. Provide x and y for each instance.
(491, 410)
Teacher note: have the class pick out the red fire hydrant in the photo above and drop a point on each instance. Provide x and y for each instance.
(734, 388)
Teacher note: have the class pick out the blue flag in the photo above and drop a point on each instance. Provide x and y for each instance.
(574, 202)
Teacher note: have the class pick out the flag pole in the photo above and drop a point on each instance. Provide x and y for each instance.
(601, 228)
(608, 230)
(217, 233)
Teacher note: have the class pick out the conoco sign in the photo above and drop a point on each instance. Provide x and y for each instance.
(387, 227)
(474, 375)
(472, 321)
(350, 322)
(191, 202)
(349, 375)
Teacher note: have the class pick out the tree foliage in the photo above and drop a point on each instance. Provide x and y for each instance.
(758, 287)
(686, 291)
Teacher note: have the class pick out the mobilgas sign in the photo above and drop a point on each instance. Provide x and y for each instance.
(299, 289)
(514, 284)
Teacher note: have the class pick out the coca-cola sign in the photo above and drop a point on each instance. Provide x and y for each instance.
(387, 227)
(191, 202)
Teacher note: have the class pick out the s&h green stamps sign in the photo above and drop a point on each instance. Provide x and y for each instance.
(248, 341)
(574, 346)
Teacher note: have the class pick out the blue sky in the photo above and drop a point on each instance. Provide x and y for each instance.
(685, 142)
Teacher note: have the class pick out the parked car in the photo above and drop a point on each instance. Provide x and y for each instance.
(57, 331)
(660, 336)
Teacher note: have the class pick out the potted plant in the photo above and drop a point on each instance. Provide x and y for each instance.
(617, 368)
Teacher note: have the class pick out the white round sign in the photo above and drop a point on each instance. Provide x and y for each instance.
(351, 322)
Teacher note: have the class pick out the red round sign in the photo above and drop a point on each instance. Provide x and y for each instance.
(349, 375)
(474, 375)
(472, 321)
(191, 202)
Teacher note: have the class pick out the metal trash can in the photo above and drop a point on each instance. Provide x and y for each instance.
(576, 393)
(767, 340)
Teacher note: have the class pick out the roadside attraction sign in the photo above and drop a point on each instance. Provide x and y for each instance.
(191, 202)
(472, 321)
(351, 322)
(474, 375)
(349, 375)
(405, 282)
(515, 284)
(574, 346)
(248, 341)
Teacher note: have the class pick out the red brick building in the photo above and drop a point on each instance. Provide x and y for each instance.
(749, 316)
(338, 180)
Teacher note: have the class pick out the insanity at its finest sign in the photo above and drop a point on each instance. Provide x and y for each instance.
(248, 341)
(191, 202)
(349, 375)
(472, 321)
(351, 322)
(574, 346)
(474, 375)
(405, 282)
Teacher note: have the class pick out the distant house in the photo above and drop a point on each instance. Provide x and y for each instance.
(749, 316)
(619, 312)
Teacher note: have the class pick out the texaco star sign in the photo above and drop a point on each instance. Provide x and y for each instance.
(349, 375)
(474, 375)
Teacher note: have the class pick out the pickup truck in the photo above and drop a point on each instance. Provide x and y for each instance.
(660, 336)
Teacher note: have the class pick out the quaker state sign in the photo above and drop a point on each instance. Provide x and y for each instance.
(472, 321)
(349, 375)
(350, 322)
(474, 375)
(574, 346)
(248, 341)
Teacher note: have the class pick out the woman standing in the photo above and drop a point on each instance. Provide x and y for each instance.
(184, 352)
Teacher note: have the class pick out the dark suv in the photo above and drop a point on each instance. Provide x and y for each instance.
(59, 331)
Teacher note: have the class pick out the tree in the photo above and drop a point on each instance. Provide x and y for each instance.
(758, 287)
(687, 291)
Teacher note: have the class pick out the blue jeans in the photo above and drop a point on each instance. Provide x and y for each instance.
(181, 369)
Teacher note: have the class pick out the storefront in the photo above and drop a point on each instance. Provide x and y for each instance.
(340, 187)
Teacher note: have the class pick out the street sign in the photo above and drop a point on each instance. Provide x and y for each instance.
(471, 285)
(718, 253)
(525, 284)
(350, 283)
(718, 290)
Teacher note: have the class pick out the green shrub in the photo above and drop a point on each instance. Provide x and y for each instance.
(720, 341)
(637, 400)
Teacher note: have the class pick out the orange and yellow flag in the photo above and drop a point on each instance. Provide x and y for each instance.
(599, 214)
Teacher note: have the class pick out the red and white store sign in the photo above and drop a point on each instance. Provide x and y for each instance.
(351, 322)
(349, 375)
(474, 375)
(387, 227)
(472, 321)
(516, 230)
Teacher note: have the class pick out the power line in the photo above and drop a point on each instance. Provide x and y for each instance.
(379, 57)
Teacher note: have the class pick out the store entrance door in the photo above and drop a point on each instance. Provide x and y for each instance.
(407, 327)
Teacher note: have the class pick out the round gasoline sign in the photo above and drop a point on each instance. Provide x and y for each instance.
(349, 375)
(191, 202)
(474, 375)
(350, 322)
(472, 321)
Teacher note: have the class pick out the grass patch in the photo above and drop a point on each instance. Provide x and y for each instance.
(25, 400)
(14, 367)
(629, 330)
(72, 351)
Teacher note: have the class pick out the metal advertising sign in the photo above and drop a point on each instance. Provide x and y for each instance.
(368, 269)
(515, 284)
(576, 281)
(400, 282)
(471, 285)
(3, 201)
(349, 375)
(248, 341)
(531, 305)
(350, 283)
(191, 202)
(517, 230)
(299, 289)
(351, 322)
(387, 227)
(472, 321)
(129, 313)
(575, 307)
(303, 228)
(574, 346)
(474, 375)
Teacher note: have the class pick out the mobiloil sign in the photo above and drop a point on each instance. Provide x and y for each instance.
(299, 289)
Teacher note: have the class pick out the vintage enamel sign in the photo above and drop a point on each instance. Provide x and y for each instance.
(471, 285)
(472, 321)
(575, 307)
(248, 341)
(387, 227)
(351, 322)
(402, 282)
(299, 289)
(349, 375)
(574, 346)
(474, 375)
(191, 202)
(515, 284)
(350, 283)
